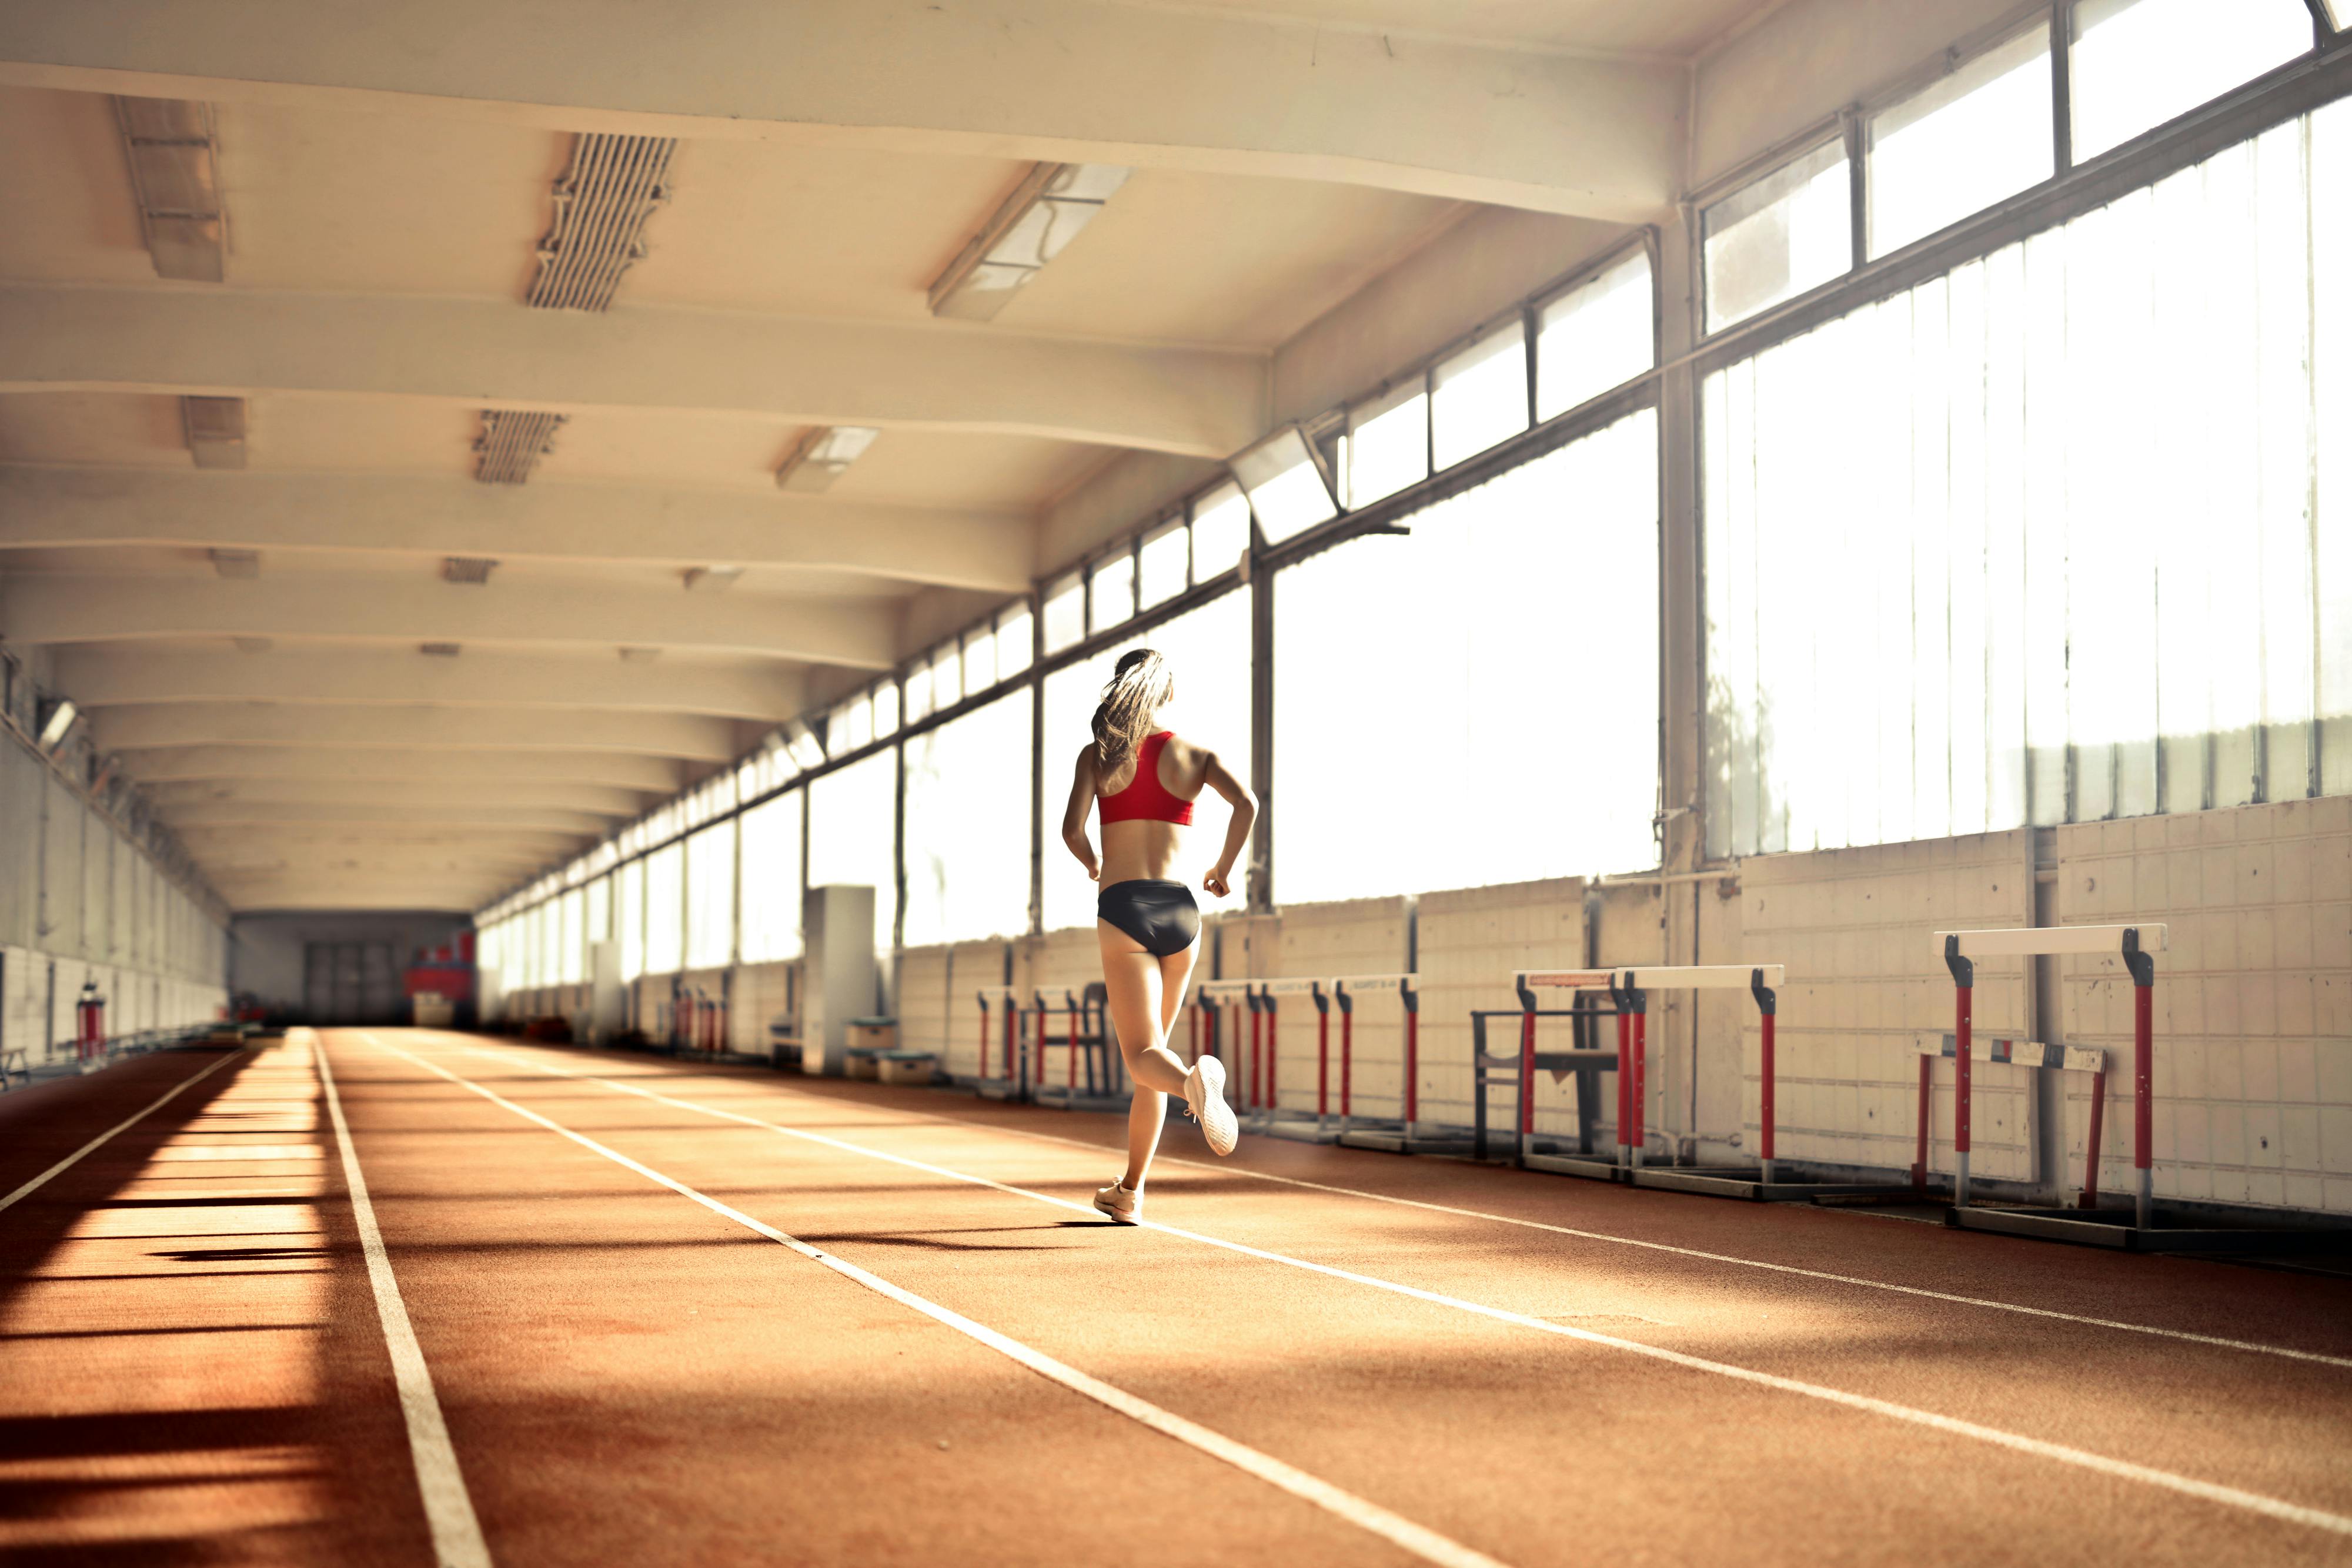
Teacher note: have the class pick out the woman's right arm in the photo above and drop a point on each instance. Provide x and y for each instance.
(1073, 815)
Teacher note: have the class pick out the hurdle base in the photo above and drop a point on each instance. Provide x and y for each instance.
(997, 1089)
(1055, 1098)
(1747, 1183)
(1298, 1129)
(2115, 1228)
(1591, 1168)
(1398, 1140)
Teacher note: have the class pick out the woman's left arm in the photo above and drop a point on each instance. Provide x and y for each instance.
(1237, 832)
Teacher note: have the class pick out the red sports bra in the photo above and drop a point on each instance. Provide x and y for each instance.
(1145, 799)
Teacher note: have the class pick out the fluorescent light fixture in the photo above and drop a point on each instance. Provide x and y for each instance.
(215, 431)
(822, 455)
(711, 579)
(236, 563)
(639, 655)
(175, 177)
(473, 571)
(802, 741)
(1045, 211)
(57, 722)
(1287, 487)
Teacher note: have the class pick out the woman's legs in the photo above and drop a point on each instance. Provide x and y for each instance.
(1145, 992)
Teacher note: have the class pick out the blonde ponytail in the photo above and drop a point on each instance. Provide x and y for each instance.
(1141, 688)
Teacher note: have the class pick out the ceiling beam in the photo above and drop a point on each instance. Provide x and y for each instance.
(41, 610)
(1189, 87)
(170, 796)
(434, 516)
(487, 353)
(282, 813)
(658, 775)
(110, 675)
(140, 728)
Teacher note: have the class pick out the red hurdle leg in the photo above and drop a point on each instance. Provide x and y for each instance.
(1770, 1020)
(1641, 1088)
(1257, 1055)
(1037, 1060)
(983, 1039)
(1412, 1070)
(1926, 1090)
(2144, 1097)
(2091, 1149)
(1962, 1027)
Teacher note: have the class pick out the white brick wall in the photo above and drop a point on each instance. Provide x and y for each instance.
(2253, 1009)
(1856, 928)
(1358, 936)
(1471, 941)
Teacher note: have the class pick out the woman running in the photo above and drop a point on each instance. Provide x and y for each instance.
(1145, 779)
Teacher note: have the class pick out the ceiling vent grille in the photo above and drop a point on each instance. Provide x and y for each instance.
(511, 443)
(602, 203)
(474, 570)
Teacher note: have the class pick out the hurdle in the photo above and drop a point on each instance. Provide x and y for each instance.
(2136, 947)
(1226, 1000)
(1005, 1003)
(1401, 1135)
(1518, 1069)
(1297, 1124)
(1086, 1036)
(1758, 1183)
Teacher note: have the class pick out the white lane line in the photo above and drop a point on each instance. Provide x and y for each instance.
(74, 1158)
(2083, 1458)
(448, 1508)
(1366, 1515)
(2217, 1341)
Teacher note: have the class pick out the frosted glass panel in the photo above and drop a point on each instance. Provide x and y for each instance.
(1482, 597)
(968, 826)
(666, 910)
(711, 896)
(772, 880)
(2138, 63)
(2063, 504)
(1791, 231)
(853, 834)
(1481, 395)
(1957, 147)
(1598, 335)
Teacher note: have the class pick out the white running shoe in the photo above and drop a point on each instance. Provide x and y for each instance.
(1204, 1098)
(1124, 1206)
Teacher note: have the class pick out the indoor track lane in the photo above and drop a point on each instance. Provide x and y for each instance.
(190, 1370)
(628, 1375)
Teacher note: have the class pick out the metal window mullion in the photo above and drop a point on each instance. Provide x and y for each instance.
(2061, 85)
(1857, 184)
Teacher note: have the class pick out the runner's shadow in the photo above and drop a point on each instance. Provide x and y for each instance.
(929, 1243)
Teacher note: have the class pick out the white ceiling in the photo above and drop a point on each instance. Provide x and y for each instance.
(370, 183)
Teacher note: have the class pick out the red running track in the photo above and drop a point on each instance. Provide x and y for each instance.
(627, 1309)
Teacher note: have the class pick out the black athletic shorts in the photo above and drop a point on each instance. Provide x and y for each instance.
(1159, 915)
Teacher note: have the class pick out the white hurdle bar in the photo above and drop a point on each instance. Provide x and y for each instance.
(2134, 943)
(1345, 990)
(1629, 988)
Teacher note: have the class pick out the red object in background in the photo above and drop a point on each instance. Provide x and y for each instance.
(465, 947)
(453, 982)
(90, 1022)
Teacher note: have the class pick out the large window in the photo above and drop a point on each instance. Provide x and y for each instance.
(666, 910)
(2059, 537)
(968, 826)
(711, 896)
(853, 834)
(1208, 650)
(1978, 135)
(2138, 63)
(1770, 241)
(1512, 636)
(772, 880)
(629, 918)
